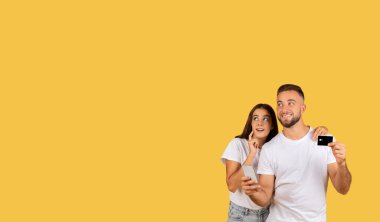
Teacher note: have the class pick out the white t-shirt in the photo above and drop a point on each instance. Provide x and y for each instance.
(300, 170)
(238, 150)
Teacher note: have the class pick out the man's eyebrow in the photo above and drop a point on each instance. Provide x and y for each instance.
(289, 100)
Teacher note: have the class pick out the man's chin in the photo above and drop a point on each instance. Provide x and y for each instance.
(287, 124)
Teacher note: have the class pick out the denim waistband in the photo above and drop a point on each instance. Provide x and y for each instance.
(247, 211)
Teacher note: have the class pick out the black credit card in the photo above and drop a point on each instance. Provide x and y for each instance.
(324, 140)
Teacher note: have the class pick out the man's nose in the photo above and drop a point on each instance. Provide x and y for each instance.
(284, 108)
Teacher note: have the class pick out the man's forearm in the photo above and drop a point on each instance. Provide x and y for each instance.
(260, 198)
(343, 179)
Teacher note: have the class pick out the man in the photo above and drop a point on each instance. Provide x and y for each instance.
(293, 169)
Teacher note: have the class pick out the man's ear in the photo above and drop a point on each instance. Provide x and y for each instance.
(303, 108)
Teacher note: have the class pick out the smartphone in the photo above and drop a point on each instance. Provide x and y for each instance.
(324, 140)
(249, 172)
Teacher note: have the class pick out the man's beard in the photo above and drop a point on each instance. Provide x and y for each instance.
(293, 121)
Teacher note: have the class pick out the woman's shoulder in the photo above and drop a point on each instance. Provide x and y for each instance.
(237, 142)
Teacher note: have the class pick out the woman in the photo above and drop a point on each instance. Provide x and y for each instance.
(261, 127)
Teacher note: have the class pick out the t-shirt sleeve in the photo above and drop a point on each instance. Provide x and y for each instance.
(266, 165)
(233, 152)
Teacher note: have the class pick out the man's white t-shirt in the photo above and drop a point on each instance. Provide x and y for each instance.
(238, 150)
(300, 170)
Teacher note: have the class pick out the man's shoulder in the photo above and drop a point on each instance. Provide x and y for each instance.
(312, 129)
(273, 142)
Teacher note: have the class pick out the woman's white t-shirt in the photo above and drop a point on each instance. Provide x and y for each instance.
(238, 150)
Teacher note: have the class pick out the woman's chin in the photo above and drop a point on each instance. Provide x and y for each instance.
(261, 136)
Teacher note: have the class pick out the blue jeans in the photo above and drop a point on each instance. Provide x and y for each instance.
(242, 214)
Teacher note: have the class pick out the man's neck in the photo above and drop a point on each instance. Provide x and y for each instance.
(297, 131)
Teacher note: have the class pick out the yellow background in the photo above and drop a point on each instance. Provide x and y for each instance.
(120, 110)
